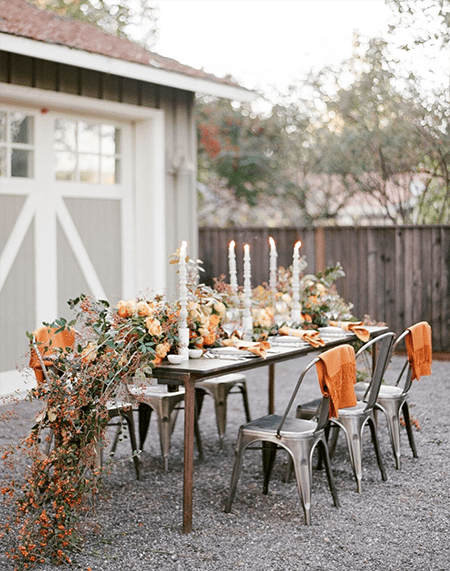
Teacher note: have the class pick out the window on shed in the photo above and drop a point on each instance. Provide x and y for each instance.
(87, 152)
(16, 144)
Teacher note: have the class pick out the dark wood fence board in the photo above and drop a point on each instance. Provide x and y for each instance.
(399, 274)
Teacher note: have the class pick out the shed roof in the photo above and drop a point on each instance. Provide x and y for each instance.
(31, 31)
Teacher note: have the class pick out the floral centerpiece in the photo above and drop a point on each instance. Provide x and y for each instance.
(319, 299)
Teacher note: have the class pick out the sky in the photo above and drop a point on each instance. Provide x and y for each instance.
(264, 43)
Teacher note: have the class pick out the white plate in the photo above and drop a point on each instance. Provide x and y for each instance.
(333, 331)
(232, 352)
(289, 339)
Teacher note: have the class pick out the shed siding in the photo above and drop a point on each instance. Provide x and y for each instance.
(17, 297)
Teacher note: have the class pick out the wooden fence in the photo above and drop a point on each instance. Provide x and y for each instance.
(396, 274)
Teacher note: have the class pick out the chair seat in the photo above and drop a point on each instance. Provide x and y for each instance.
(219, 388)
(386, 391)
(292, 427)
(232, 379)
(352, 410)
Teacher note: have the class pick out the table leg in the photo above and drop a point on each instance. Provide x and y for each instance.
(188, 482)
(271, 388)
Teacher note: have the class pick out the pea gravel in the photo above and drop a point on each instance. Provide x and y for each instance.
(402, 523)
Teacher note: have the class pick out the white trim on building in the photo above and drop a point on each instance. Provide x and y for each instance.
(105, 64)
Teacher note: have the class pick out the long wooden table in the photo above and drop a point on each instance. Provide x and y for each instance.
(191, 371)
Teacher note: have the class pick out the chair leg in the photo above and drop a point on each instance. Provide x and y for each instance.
(144, 416)
(165, 430)
(220, 405)
(199, 397)
(197, 434)
(326, 458)
(119, 430)
(373, 430)
(352, 428)
(409, 431)
(303, 475)
(243, 389)
(269, 452)
(128, 415)
(391, 409)
(235, 473)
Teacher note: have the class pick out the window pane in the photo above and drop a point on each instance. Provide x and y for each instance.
(88, 138)
(65, 166)
(2, 126)
(3, 163)
(21, 128)
(110, 170)
(21, 163)
(110, 140)
(89, 168)
(65, 135)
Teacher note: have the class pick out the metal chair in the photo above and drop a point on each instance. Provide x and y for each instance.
(352, 420)
(219, 388)
(393, 400)
(40, 361)
(299, 437)
(165, 404)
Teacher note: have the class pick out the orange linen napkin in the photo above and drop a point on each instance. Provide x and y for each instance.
(310, 335)
(258, 348)
(356, 327)
(419, 349)
(336, 371)
(43, 336)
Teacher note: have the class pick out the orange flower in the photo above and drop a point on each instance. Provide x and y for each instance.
(143, 309)
(214, 320)
(306, 317)
(153, 326)
(209, 339)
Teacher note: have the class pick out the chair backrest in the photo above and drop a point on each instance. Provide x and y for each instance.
(383, 347)
(44, 340)
(323, 410)
(309, 366)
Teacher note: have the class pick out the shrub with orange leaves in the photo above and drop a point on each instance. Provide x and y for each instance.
(113, 346)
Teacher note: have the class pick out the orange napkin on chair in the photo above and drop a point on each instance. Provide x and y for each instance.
(310, 335)
(336, 370)
(258, 348)
(356, 327)
(42, 337)
(419, 349)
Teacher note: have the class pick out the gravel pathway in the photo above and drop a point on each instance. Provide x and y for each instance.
(399, 524)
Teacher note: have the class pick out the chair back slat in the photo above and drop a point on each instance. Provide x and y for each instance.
(384, 345)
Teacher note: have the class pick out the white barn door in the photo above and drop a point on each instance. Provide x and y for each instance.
(67, 219)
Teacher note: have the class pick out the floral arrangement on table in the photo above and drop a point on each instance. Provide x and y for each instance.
(113, 346)
(205, 313)
(319, 299)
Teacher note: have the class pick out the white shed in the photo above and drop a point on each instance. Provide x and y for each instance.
(97, 168)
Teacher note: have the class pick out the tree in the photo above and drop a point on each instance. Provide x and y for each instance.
(132, 19)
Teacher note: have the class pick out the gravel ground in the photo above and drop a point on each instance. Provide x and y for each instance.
(402, 523)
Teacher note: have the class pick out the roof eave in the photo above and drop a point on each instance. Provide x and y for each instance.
(114, 66)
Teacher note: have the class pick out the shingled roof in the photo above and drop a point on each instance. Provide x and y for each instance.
(20, 19)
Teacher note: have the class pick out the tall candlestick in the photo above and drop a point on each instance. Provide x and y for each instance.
(273, 265)
(183, 331)
(232, 266)
(247, 322)
(295, 312)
